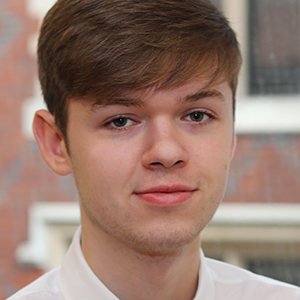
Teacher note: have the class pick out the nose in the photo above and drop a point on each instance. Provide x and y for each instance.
(165, 147)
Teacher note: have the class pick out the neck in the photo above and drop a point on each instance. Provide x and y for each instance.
(130, 274)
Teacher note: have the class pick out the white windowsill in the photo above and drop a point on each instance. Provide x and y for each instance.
(268, 114)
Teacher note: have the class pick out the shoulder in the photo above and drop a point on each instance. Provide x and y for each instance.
(45, 287)
(239, 283)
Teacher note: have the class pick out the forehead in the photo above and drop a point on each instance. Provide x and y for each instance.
(187, 92)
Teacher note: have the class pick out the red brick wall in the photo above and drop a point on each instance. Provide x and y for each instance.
(266, 168)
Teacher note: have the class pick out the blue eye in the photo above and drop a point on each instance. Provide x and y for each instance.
(197, 116)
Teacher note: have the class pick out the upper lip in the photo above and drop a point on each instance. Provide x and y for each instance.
(174, 188)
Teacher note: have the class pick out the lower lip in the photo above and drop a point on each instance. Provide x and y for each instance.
(166, 199)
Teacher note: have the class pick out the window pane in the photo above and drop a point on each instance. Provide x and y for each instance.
(287, 270)
(274, 46)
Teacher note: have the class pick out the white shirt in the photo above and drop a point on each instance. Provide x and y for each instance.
(74, 280)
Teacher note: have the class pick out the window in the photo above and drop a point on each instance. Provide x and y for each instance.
(274, 40)
(269, 83)
(261, 237)
(284, 269)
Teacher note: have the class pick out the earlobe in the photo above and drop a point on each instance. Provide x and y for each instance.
(51, 142)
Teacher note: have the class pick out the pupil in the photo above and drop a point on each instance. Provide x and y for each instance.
(197, 116)
(120, 122)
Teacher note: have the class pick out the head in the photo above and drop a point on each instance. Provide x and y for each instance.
(140, 95)
(101, 49)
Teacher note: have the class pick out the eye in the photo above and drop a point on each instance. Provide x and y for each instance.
(121, 122)
(198, 116)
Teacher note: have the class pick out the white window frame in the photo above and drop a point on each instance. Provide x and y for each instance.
(44, 217)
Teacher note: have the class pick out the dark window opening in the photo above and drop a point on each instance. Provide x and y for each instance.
(274, 40)
(287, 270)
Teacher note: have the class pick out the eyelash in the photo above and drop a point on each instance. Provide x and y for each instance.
(108, 124)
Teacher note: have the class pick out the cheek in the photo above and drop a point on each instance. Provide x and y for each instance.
(104, 166)
(216, 151)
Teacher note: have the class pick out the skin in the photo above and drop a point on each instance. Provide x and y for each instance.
(143, 244)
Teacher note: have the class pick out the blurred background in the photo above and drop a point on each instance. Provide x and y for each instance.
(257, 226)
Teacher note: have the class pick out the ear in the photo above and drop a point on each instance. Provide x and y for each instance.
(51, 142)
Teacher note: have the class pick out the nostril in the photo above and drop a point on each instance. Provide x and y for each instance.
(156, 163)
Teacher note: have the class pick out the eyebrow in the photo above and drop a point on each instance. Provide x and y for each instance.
(201, 95)
(139, 102)
(118, 101)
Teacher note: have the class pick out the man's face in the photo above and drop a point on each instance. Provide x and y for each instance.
(151, 168)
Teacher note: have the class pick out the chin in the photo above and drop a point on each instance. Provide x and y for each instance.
(162, 242)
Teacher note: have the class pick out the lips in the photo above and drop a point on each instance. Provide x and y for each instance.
(166, 195)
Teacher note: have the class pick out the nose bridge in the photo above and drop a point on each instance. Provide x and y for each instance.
(162, 129)
(165, 144)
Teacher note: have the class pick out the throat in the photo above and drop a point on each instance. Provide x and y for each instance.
(131, 274)
(140, 276)
(165, 277)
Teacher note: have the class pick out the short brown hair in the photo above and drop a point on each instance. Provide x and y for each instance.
(101, 48)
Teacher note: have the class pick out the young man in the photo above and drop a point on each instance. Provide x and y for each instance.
(141, 112)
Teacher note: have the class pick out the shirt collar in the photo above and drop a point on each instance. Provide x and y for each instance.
(77, 281)
(206, 290)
